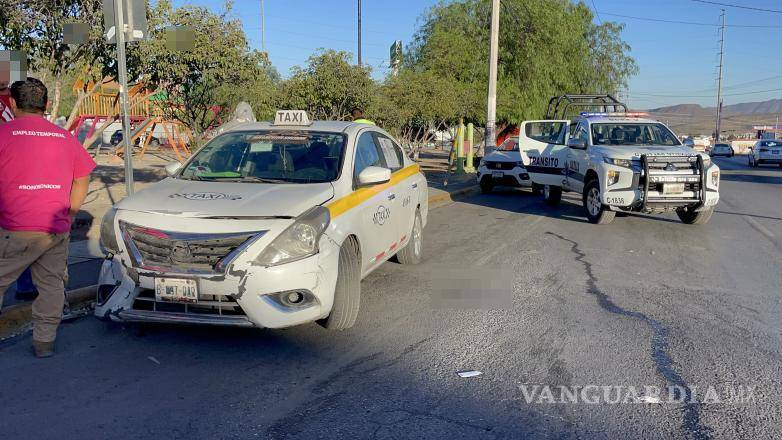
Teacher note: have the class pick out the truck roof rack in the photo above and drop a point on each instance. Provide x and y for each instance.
(558, 106)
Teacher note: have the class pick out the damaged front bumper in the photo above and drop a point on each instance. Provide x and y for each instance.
(245, 294)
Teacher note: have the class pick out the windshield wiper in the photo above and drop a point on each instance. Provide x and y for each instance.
(261, 180)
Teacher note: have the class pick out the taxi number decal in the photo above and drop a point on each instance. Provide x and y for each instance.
(544, 161)
(381, 215)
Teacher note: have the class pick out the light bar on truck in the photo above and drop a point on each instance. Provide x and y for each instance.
(615, 114)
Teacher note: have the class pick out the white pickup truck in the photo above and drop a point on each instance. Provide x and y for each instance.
(619, 161)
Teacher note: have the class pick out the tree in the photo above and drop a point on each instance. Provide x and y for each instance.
(204, 82)
(546, 48)
(329, 87)
(36, 27)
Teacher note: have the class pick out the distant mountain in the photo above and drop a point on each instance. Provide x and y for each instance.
(737, 119)
(746, 108)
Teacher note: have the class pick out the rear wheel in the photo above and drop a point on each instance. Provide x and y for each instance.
(347, 294)
(692, 217)
(411, 253)
(596, 211)
(552, 194)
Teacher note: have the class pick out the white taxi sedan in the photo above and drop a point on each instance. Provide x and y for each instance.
(766, 152)
(268, 225)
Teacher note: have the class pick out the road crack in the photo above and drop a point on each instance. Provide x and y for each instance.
(691, 422)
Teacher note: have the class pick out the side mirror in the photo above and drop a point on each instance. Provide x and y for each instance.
(172, 168)
(374, 176)
(577, 144)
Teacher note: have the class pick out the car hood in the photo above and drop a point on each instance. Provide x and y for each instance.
(503, 156)
(634, 152)
(227, 199)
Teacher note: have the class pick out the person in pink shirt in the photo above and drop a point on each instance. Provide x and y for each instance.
(44, 177)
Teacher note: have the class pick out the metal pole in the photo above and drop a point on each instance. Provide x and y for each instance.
(719, 79)
(359, 32)
(470, 144)
(123, 95)
(263, 29)
(491, 112)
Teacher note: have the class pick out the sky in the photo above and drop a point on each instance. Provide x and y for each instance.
(678, 62)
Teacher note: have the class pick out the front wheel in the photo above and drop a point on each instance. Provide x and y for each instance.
(347, 293)
(411, 253)
(486, 186)
(692, 217)
(596, 211)
(552, 194)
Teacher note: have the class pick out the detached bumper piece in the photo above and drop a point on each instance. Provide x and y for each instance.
(658, 171)
(208, 310)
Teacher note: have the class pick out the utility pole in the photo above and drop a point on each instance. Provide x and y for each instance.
(263, 29)
(719, 78)
(359, 32)
(491, 111)
(123, 95)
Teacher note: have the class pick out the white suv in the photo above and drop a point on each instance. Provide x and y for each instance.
(766, 151)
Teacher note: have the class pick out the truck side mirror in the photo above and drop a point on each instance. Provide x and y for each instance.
(577, 144)
(172, 168)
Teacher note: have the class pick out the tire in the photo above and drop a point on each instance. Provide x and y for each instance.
(412, 252)
(486, 186)
(695, 217)
(749, 160)
(596, 211)
(347, 294)
(552, 195)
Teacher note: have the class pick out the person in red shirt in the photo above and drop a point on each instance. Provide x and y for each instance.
(44, 177)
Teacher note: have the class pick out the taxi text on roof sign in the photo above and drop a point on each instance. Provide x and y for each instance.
(291, 117)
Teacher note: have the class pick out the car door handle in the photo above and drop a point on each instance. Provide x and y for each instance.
(415, 185)
(391, 196)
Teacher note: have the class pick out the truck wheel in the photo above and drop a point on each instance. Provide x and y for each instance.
(596, 211)
(347, 294)
(411, 253)
(486, 186)
(695, 217)
(552, 194)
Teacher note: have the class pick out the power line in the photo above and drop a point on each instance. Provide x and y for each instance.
(691, 23)
(738, 6)
(705, 96)
(597, 14)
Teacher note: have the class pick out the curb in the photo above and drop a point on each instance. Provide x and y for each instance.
(441, 199)
(18, 318)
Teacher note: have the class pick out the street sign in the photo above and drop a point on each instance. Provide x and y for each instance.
(135, 18)
(395, 54)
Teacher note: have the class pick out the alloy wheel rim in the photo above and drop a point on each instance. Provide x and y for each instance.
(593, 201)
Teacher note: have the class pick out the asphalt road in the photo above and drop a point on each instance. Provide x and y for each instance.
(643, 302)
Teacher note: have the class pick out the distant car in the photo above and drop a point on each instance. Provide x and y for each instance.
(116, 139)
(721, 150)
(765, 152)
(503, 167)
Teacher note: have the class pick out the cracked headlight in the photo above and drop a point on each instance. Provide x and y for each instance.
(618, 162)
(108, 239)
(299, 241)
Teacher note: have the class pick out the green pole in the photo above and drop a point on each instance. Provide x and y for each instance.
(460, 149)
(468, 167)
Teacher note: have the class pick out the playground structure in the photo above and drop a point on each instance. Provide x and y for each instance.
(147, 118)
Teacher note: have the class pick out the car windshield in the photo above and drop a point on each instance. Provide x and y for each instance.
(269, 157)
(510, 144)
(635, 134)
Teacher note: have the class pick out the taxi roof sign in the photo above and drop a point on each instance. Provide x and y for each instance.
(291, 117)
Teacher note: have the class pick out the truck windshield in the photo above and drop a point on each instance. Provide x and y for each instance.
(628, 133)
(269, 157)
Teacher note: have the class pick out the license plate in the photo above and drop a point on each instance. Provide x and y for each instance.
(497, 174)
(176, 290)
(673, 188)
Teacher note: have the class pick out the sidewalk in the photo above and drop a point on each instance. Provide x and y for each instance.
(107, 187)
